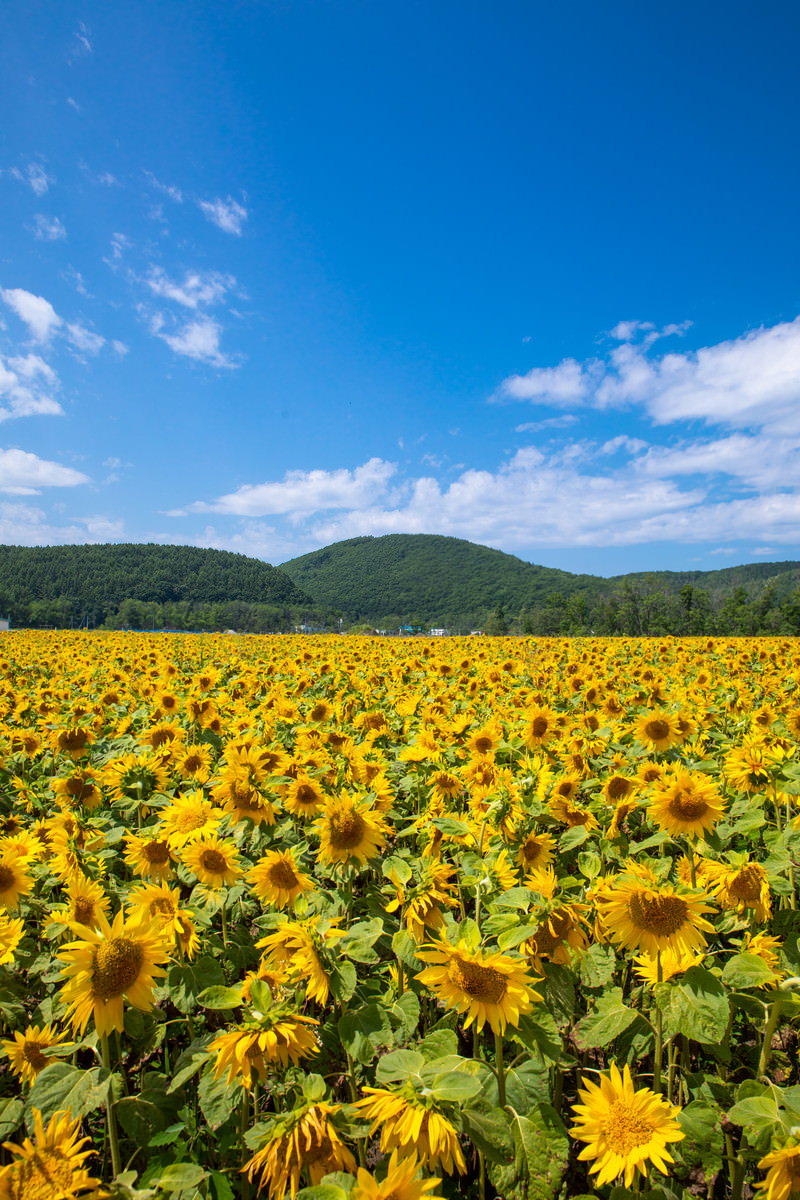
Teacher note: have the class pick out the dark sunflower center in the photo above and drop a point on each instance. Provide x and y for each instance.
(660, 915)
(746, 884)
(482, 983)
(213, 861)
(319, 712)
(688, 805)
(483, 745)
(192, 762)
(532, 851)
(32, 1052)
(657, 730)
(83, 910)
(539, 726)
(163, 905)
(115, 967)
(281, 875)
(306, 795)
(7, 878)
(619, 787)
(624, 1129)
(156, 853)
(346, 830)
(551, 934)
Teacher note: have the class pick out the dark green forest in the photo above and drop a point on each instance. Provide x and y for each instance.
(147, 587)
(408, 579)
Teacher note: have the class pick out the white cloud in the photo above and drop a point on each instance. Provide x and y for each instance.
(547, 423)
(84, 339)
(48, 229)
(27, 387)
(35, 176)
(174, 193)
(24, 474)
(37, 313)
(119, 244)
(750, 380)
(119, 348)
(228, 214)
(197, 339)
(25, 525)
(301, 493)
(624, 331)
(198, 288)
(81, 43)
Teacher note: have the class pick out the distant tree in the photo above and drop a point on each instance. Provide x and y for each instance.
(497, 626)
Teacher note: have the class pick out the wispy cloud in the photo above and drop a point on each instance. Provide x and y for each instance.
(198, 340)
(227, 214)
(48, 229)
(166, 189)
(35, 176)
(80, 41)
(198, 288)
(27, 388)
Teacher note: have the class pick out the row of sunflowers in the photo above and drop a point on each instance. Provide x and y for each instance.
(350, 919)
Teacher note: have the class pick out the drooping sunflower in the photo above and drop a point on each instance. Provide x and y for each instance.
(640, 915)
(52, 1165)
(303, 1140)
(410, 1124)
(487, 987)
(27, 1052)
(298, 947)
(349, 831)
(625, 1128)
(740, 886)
(279, 1037)
(652, 969)
(401, 1182)
(213, 860)
(117, 961)
(783, 1173)
(422, 902)
(149, 855)
(81, 786)
(686, 802)
(658, 730)
(277, 879)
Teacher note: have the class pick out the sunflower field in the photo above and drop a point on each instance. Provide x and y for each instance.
(359, 919)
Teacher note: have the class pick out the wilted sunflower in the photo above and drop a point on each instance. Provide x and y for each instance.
(411, 1125)
(277, 879)
(401, 1182)
(104, 967)
(303, 1140)
(487, 987)
(27, 1051)
(625, 1128)
(51, 1167)
(349, 831)
(686, 802)
(214, 861)
(278, 1037)
(783, 1173)
(645, 917)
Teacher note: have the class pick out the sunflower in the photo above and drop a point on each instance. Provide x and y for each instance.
(304, 797)
(401, 1182)
(540, 728)
(51, 1166)
(445, 785)
(536, 851)
(487, 987)
(79, 787)
(625, 1128)
(149, 856)
(783, 1173)
(28, 1051)
(655, 969)
(135, 776)
(193, 762)
(303, 1140)
(766, 948)
(160, 905)
(14, 879)
(749, 767)
(213, 861)
(741, 886)
(278, 1038)
(686, 802)
(658, 730)
(85, 900)
(422, 903)
(74, 741)
(618, 788)
(349, 832)
(11, 933)
(189, 817)
(242, 800)
(409, 1124)
(571, 814)
(277, 879)
(117, 961)
(640, 915)
(299, 947)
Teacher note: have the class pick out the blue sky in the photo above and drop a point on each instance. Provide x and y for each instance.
(274, 274)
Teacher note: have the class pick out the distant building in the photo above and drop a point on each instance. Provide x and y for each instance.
(5, 624)
(440, 633)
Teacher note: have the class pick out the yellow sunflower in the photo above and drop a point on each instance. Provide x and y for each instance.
(304, 797)
(160, 905)
(279, 1037)
(14, 879)
(277, 879)
(625, 1128)
(409, 1124)
(108, 965)
(11, 933)
(658, 730)
(349, 831)
(149, 855)
(783, 1173)
(52, 1166)
(214, 861)
(298, 947)
(85, 900)
(27, 1052)
(79, 787)
(189, 817)
(686, 802)
(645, 917)
(487, 987)
(536, 851)
(401, 1182)
(303, 1140)
(541, 727)
(741, 886)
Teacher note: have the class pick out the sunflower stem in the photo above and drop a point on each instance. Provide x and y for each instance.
(769, 1032)
(224, 925)
(692, 868)
(673, 1055)
(659, 1048)
(113, 1132)
(481, 1176)
(499, 1070)
(244, 1114)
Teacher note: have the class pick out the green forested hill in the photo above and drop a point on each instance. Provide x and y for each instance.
(433, 580)
(144, 585)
